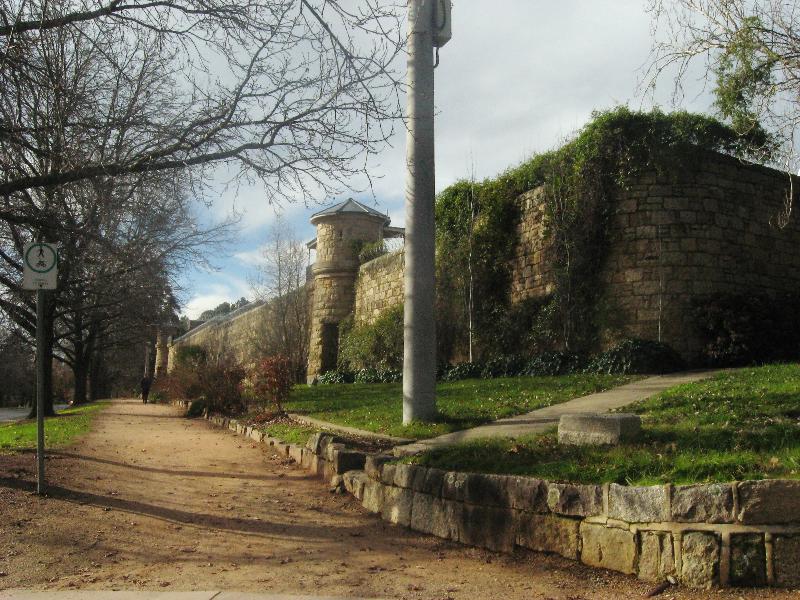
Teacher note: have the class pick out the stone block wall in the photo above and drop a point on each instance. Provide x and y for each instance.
(674, 238)
(703, 536)
(530, 267)
(379, 286)
(234, 335)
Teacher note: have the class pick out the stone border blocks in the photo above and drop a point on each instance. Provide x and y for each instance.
(705, 535)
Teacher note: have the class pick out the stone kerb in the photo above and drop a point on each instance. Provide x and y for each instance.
(597, 429)
(704, 535)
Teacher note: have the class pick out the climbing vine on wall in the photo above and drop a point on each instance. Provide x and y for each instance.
(476, 227)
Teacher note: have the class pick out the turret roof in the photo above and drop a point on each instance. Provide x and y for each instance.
(350, 206)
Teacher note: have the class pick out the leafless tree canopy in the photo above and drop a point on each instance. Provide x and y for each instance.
(751, 53)
(281, 284)
(295, 92)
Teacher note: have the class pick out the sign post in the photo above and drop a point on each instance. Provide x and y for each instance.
(40, 273)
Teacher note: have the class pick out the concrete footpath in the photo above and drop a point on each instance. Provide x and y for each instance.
(121, 595)
(542, 419)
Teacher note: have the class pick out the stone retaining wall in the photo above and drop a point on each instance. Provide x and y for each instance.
(739, 534)
(379, 286)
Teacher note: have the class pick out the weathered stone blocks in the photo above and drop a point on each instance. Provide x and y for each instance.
(638, 504)
(374, 463)
(396, 505)
(488, 527)
(769, 501)
(348, 460)
(575, 500)
(786, 560)
(700, 559)
(712, 503)
(656, 556)
(609, 547)
(549, 533)
(748, 566)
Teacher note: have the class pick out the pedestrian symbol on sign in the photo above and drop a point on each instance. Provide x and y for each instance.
(40, 266)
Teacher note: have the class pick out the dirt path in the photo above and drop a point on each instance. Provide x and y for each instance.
(150, 500)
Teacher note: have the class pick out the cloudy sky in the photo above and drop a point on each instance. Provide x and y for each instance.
(518, 77)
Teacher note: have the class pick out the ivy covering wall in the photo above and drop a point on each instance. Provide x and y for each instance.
(476, 229)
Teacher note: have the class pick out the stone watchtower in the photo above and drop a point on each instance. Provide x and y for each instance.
(341, 229)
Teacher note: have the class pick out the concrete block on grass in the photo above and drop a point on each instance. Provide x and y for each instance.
(597, 429)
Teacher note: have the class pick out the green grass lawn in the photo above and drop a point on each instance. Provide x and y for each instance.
(59, 430)
(462, 404)
(739, 425)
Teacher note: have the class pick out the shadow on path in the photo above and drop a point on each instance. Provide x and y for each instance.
(105, 461)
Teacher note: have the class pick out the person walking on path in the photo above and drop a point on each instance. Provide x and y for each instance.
(145, 388)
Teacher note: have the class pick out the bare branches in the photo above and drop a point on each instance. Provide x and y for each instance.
(296, 92)
(750, 50)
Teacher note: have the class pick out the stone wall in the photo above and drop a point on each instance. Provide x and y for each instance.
(707, 535)
(235, 335)
(675, 238)
(379, 286)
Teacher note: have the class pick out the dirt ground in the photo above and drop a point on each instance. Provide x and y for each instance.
(150, 500)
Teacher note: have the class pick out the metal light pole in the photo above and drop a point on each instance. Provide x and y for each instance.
(427, 19)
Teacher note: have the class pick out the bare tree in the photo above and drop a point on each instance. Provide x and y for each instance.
(294, 92)
(281, 284)
(749, 50)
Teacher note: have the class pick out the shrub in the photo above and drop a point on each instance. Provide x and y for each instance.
(503, 366)
(636, 356)
(377, 345)
(270, 380)
(338, 376)
(197, 408)
(378, 376)
(371, 250)
(554, 363)
(220, 383)
(182, 383)
(740, 329)
(465, 370)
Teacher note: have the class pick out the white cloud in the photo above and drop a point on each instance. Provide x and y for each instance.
(221, 287)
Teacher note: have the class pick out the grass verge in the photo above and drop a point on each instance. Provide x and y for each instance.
(739, 425)
(58, 431)
(462, 404)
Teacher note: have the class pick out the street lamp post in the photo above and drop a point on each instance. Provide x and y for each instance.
(428, 26)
